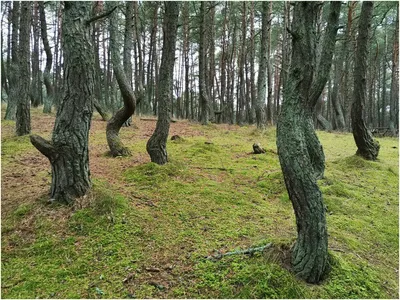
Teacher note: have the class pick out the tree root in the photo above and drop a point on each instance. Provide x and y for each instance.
(249, 251)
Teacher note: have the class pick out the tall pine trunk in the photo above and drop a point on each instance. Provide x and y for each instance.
(157, 144)
(368, 148)
(23, 114)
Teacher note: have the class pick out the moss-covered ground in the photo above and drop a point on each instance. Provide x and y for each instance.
(144, 231)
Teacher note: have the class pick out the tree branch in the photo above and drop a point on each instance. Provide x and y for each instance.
(106, 14)
(45, 147)
(246, 251)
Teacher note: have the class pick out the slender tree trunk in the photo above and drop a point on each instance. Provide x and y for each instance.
(23, 114)
(68, 151)
(114, 125)
(383, 98)
(394, 88)
(337, 107)
(300, 153)
(269, 67)
(156, 145)
(204, 99)
(35, 86)
(48, 101)
(186, 33)
(262, 69)
(368, 148)
(13, 70)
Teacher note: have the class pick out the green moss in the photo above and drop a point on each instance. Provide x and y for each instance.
(209, 197)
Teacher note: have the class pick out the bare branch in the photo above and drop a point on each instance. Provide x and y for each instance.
(106, 14)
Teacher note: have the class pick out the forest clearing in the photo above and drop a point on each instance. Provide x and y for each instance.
(145, 230)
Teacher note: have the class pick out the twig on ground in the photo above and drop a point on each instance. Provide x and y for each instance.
(238, 252)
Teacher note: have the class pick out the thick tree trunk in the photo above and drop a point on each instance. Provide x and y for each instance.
(23, 114)
(368, 148)
(36, 84)
(114, 125)
(156, 145)
(68, 151)
(13, 70)
(48, 101)
(300, 153)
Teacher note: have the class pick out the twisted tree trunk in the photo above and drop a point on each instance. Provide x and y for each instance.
(300, 153)
(114, 125)
(68, 151)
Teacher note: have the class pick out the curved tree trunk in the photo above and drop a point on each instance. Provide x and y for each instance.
(48, 101)
(156, 145)
(114, 125)
(300, 152)
(68, 151)
(23, 114)
(368, 148)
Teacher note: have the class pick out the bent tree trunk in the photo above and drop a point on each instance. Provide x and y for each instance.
(368, 148)
(68, 151)
(156, 145)
(300, 152)
(114, 125)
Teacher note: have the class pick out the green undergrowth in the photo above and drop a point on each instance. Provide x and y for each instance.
(149, 233)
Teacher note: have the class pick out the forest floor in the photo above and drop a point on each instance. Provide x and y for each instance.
(145, 230)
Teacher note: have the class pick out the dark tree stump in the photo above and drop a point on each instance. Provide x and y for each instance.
(176, 138)
(258, 149)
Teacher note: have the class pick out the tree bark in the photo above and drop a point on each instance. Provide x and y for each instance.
(114, 125)
(300, 153)
(13, 70)
(68, 151)
(262, 70)
(35, 85)
(48, 101)
(204, 99)
(156, 145)
(368, 148)
(23, 114)
(394, 89)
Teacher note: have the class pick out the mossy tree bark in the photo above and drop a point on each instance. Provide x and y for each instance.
(368, 148)
(114, 125)
(48, 101)
(68, 151)
(156, 145)
(23, 114)
(300, 152)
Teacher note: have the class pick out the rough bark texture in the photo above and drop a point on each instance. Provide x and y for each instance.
(394, 89)
(300, 153)
(114, 125)
(13, 70)
(262, 73)
(48, 101)
(156, 145)
(23, 114)
(68, 151)
(367, 146)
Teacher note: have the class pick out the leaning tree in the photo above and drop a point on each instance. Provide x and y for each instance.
(300, 152)
(68, 150)
(368, 148)
(156, 145)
